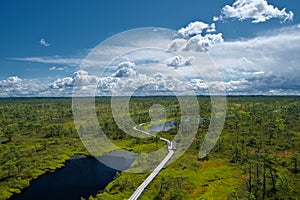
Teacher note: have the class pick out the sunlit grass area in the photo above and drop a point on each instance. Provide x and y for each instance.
(257, 155)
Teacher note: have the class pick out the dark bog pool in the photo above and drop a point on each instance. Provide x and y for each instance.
(81, 177)
(165, 126)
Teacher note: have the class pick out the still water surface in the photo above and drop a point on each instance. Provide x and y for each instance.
(81, 177)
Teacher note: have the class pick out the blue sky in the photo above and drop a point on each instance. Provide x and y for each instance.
(45, 41)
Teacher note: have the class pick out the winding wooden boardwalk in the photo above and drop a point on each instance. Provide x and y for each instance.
(156, 171)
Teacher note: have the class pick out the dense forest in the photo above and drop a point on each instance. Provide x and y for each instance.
(256, 157)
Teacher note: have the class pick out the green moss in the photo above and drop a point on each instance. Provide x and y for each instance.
(5, 193)
(223, 175)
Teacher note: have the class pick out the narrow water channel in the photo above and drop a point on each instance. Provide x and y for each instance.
(165, 126)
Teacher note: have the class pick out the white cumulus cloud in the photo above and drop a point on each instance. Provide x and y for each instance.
(61, 83)
(256, 10)
(14, 86)
(203, 43)
(12, 80)
(179, 61)
(44, 43)
(197, 36)
(125, 70)
(195, 28)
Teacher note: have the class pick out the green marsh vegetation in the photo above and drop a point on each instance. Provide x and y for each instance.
(256, 157)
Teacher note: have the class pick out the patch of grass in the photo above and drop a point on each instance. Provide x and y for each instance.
(38, 135)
